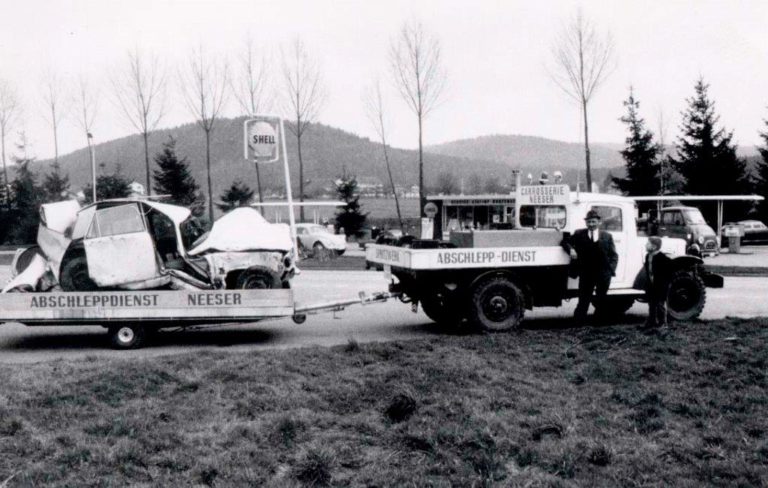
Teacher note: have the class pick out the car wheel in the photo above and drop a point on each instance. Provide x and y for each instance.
(497, 305)
(319, 251)
(257, 279)
(127, 336)
(687, 295)
(75, 277)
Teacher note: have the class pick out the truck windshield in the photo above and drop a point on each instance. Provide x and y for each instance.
(542, 216)
(693, 216)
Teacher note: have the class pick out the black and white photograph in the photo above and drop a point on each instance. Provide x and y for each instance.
(307, 243)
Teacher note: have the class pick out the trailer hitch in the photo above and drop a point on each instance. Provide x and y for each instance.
(301, 312)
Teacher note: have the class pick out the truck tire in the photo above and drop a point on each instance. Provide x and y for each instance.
(497, 305)
(687, 295)
(74, 275)
(127, 336)
(257, 279)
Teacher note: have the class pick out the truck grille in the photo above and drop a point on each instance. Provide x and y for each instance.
(710, 245)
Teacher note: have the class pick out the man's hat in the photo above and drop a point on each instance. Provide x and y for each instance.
(592, 215)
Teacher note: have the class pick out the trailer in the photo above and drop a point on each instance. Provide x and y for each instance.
(131, 317)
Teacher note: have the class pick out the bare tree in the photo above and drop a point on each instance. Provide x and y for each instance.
(54, 98)
(304, 96)
(416, 65)
(139, 90)
(10, 109)
(203, 84)
(374, 108)
(583, 59)
(87, 102)
(249, 84)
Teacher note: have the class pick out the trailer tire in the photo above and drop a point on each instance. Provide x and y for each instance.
(497, 305)
(75, 277)
(686, 296)
(127, 336)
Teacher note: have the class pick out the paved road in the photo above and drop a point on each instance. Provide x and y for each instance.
(742, 297)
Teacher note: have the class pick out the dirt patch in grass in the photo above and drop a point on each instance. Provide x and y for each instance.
(605, 406)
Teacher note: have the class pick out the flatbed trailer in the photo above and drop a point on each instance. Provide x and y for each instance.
(131, 315)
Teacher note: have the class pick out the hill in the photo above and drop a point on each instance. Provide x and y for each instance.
(531, 154)
(327, 152)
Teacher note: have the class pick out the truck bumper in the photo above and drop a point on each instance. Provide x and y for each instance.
(711, 280)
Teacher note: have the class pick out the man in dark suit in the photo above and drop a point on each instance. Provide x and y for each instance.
(595, 256)
(658, 271)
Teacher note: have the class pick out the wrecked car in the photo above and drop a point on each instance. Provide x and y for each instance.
(139, 244)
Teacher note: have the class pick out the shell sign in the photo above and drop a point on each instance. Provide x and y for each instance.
(261, 140)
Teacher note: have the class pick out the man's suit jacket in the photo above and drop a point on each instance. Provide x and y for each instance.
(659, 274)
(594, 258)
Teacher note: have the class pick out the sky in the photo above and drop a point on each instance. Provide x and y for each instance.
(495, 53)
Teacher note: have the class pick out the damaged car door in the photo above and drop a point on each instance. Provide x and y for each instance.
(119, 249)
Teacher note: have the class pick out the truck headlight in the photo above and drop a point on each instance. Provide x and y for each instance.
(700, 240)
(688, 236)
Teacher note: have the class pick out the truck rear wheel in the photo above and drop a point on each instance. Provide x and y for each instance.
(127, 336)
(497, 305)
(687, 295)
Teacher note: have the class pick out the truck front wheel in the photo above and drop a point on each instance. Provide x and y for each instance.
(497, 305)
(687, 295)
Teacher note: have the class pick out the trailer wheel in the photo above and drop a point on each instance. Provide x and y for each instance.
(497, 305)
(127, 336)
(75, 277)
(687, 295)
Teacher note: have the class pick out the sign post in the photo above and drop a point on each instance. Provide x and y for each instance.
(263, 138)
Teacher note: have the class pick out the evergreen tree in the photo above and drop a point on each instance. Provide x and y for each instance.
(237, 195)
(706, 157)
(173, 178)
(109, 186)
(350, 217)
(26, 197)
(54, 184)
(761, 178)
(641, 155)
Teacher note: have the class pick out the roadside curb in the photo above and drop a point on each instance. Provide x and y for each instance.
(742, 271)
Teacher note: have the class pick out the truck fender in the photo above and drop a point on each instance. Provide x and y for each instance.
(509, 275)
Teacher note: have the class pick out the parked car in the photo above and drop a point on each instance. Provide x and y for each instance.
(685, 223)
(755, 232)
(316, 239)
(138, 244)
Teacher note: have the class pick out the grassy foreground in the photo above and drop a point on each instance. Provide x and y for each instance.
(603, 406)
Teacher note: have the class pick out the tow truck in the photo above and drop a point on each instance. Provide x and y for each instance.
(490, 277)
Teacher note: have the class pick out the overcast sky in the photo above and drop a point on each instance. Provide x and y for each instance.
(495, 53)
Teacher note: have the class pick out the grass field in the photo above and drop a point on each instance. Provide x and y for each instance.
(601, 406)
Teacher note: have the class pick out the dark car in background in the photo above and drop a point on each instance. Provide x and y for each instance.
(685, 223)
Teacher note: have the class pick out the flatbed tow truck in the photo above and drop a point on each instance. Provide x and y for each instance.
(488, 278)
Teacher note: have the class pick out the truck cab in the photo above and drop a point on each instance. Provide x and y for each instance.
(687, 223)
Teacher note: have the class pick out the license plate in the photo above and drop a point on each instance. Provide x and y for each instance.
(387, 272)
